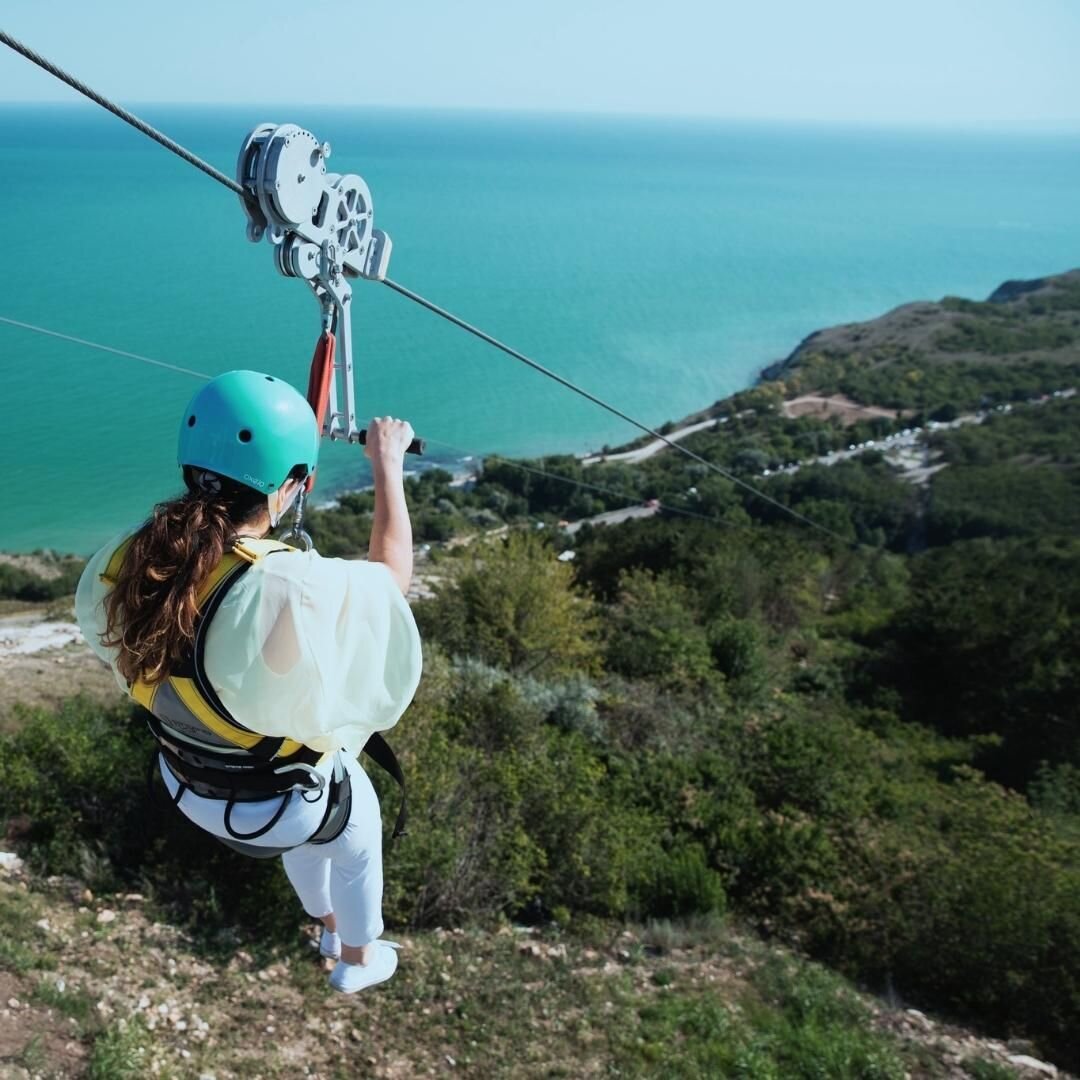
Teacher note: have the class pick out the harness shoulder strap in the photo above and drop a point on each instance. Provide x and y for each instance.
(201, 697)
(248, 550)
(111, 573)
(189, 687)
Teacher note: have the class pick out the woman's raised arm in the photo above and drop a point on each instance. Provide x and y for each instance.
(391, 531)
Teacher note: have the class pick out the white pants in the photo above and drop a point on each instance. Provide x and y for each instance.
(344, 876)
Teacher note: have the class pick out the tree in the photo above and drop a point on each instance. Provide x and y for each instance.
(653, 633)
(515, 606)
(988, 646)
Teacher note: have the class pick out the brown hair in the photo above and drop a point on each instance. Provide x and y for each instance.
(152, 609)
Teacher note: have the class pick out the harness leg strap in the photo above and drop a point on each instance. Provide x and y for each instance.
(378, 749)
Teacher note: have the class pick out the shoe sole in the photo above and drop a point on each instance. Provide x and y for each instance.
(373, 982)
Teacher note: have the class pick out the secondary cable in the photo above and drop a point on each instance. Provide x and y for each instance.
(103, 348)
(450, 317)
(629, 498)
(232, 185)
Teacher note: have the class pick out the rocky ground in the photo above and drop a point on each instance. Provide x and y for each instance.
(43, 659)
(835, 407)
(97, 985)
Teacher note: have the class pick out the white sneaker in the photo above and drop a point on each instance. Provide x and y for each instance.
(348, 978)
(329, 945)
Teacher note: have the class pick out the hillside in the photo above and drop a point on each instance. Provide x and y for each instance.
(658, 771)
(96, 984)
(1039, 319)
(909, 354)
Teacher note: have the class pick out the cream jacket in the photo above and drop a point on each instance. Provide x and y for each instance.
(324, 651)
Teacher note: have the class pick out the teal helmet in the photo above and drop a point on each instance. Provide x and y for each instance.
(250, 427)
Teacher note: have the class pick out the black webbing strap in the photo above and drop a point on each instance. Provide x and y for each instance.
(378, 749)
(152, 789)
(201, 753)
(331, 826)
(262, 830)
(242, 784)
(338, 809)
(266, 747)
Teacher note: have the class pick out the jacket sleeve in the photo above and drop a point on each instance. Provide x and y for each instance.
(89, 611)
(324, 651)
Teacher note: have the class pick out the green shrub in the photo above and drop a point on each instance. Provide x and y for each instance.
(120, 1053)
(737, 647)
(1056, 789)
(969, 901)
(19, 584)
(998, 338)
(803, 1024)
(652, 633)
(682, 883)
(513, 605)
(1002, 500)
(987, 644)
(815, 1026)
(74, 782)
(510, 814)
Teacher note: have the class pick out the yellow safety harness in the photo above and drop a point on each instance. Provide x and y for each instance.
(186, 688)
(207, 750)
(212, 754)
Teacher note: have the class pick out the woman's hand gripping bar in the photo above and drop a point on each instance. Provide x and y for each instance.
(417, 446)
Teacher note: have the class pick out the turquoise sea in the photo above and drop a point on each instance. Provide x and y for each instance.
(659, 263)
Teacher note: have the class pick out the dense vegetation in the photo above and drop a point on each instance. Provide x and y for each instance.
(1025, 341)
(869, 749)
(20, 583)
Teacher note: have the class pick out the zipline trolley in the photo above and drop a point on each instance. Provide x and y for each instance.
(321, 227)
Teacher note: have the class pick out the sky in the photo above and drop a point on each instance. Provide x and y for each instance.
(985, 64)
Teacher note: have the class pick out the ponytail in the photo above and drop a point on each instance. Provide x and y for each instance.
(152, 609)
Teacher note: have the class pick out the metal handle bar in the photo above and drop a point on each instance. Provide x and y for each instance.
(417, 446)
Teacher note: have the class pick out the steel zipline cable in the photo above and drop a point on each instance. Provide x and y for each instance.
(232, 185)
(449, 316)
(123, 114)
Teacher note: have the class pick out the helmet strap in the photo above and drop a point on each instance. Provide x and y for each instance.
(283, 509)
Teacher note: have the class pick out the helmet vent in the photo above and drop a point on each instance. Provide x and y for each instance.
(191, 421)
(269, 378)
(244, 435)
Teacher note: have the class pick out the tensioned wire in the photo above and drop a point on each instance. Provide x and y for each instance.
(103, 348)
(628, 497)
(232, 185)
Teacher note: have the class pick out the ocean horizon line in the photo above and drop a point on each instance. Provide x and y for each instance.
(773, 124)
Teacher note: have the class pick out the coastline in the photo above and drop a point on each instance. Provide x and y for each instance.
(902, 328)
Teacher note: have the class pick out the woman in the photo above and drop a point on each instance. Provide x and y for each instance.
(266, 669)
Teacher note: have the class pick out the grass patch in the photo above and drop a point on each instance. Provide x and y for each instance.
(798, 1021)
(73, 1002)
(119, 1053)
(18, 911)
(662, 935)
(32, 1057)
(981, 1069)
